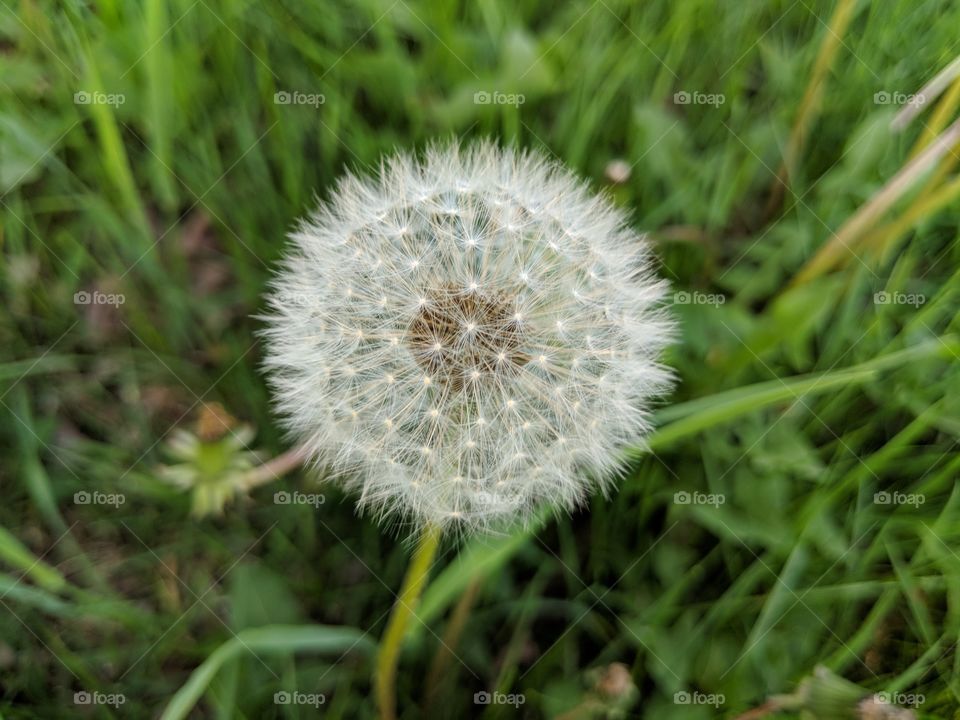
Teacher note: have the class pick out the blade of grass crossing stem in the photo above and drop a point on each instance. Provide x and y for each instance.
(478, 560)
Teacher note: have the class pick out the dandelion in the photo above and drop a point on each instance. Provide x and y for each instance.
(466, 338)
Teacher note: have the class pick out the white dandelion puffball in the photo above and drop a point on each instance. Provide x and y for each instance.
(467, 336)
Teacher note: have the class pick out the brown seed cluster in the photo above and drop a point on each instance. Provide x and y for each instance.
(462, 335)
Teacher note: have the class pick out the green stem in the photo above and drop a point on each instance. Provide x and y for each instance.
(385, 680)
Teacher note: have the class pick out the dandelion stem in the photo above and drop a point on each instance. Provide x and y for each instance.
(403, 610)
(274, 469)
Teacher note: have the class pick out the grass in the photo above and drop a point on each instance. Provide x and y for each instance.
(802, 392)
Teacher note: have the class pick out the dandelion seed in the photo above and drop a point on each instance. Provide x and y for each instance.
(553, 319)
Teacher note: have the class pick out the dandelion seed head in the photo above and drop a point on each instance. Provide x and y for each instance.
(484, 338)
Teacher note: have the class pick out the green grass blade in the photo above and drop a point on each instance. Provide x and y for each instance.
(13, 553)
(269, 639)
(694, 416)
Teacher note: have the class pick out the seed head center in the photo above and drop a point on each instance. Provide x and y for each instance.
(461, 335)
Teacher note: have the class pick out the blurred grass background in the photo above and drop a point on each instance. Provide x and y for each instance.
(800, 396)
